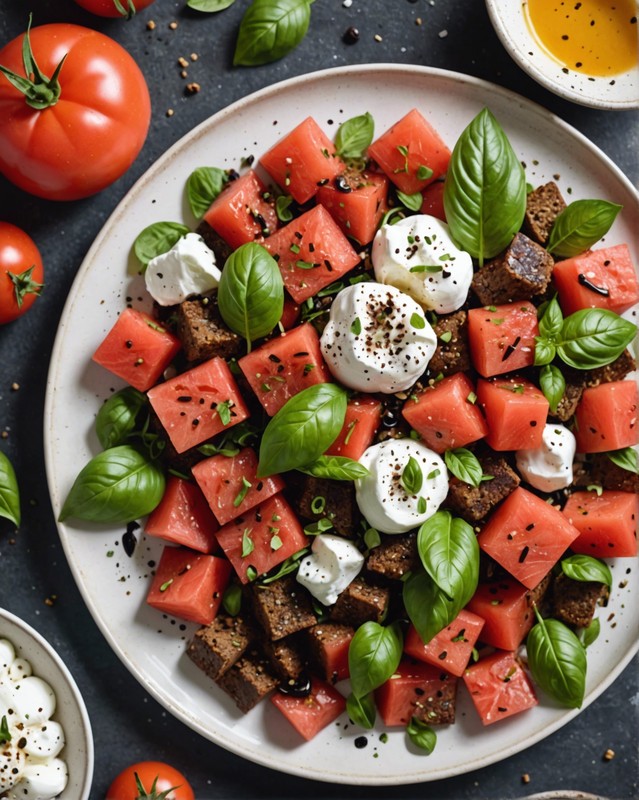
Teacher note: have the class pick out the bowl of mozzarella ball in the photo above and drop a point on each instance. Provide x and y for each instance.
(46, 746)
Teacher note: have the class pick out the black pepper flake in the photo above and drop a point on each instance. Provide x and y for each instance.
(129, 539)
(351, 36)
(184, 398)
(360, 742)
(511, 349)
(524, 554)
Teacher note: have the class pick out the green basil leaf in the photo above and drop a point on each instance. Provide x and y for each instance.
(9, 492)
(594, 337)
(580, 225)
(116, 417)
(412, 478)
(354, 136)
(413, 202)
(232, 599)
(553, 385)
(626, 458)
(590, 634)
(337, 468)
(282, 208)
(209, 6)
(464, 465)
(586, 568)
(551, 320)
(557, 661)
(156, 239)
(545, 351)
(361, 710)
(373, 656)
(427, 606)
(118, 485)
(302, 429)
(204, 184)
(251, 293)
(484, 190)
(270, 29)
(421, 735)
(449, 551)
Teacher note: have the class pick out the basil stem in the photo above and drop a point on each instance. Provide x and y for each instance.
(9, 492)
(373, 656)
(580, 225)
(270, 29)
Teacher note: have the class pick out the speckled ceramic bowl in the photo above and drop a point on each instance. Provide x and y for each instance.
(614, 93)
(70, 712)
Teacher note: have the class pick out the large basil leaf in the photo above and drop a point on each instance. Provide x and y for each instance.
(557, 661)
(580, 225)
(586, 568)
(626, 458)
(552, 384)
(9, 492)
(449, 551)
(209, 6)
(156, 239)
(427, 606)
(270, 29)
(118, 485)
(354, 136)
(337, 468)
(204, 184)
(302, 429)
(594, 337)
(421, 735)
(116, 417)
(464, 464)
(251, 293)
(362, 710)
(485, 189)
(551, 320)
(373, 656)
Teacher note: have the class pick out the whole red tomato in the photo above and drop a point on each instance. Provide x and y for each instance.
(114, 8)
(150, 780)
(21, 272)
(81, 123)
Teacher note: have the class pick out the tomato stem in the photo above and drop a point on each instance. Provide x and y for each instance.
(23, 285)
(127, 12)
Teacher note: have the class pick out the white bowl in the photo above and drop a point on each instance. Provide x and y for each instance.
(613, 93)
(70, 712)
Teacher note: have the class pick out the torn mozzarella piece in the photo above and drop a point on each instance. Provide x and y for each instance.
(332, 565)
(549, 467)
(187, 269)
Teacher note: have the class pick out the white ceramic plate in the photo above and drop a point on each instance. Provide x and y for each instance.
(616, 92)
(114, 586)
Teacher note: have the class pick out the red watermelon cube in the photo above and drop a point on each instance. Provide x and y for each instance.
(363, 417)
(516, 412)
(506, 609)
(357, 202)
(183, 517)
(606, 417)
(502, 338)
(417, 690)
(607, 523)
(312, 713)
(451, 648)
(499, 687)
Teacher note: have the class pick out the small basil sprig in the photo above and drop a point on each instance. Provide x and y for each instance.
(302, 429)
(373, 656)
(270, 29)
(626, 458)
(116, 417)
(448, 549)
(590, 634)
(118, 485)
(586, 568)
(557, 661)
(232, 599)
(361, 710)
(580, 225)
(552, 384)
(209, 6)
(484, 190)
(464, 465)
(354, 136)
(9, 492)
(251, 292)
(5, 733)
(202, 187)
(337, 468)
(412, 478)
(413, 202)
(421, 735)
(156, 239)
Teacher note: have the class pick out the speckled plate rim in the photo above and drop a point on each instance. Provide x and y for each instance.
(165, 672)
(508, 20)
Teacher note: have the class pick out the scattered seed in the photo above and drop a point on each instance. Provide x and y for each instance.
(609, 755)
(193, 88)
(150, 25)
(173, 25)
(377, 38)
(194, 56)
(183, 62)
(418, 21)
(15, 386)
(170, 112)
(525, 778)
(184, 74)
(443, 34)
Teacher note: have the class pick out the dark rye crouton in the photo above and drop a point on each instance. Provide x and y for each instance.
(202, 331)
(285, 657)
(575, 602)
(216, 647)
(282, 607)
(610, 476)
(543, 206)
(335, 498)
(452, 353)
(522, 271)
(361, 602)
(249, 680)
(473, 503)
(570, 399)
(435, 707)
(328, 644)
(616, 371)
(394, 557)
(215, 242)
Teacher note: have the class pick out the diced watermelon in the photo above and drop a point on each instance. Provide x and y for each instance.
(357, 202)
(302, 160)
(330, 649)
(606, 417)
(411, 153)
(502, 338)
(363, 416)
(527, 536)
(311, 252)
(189, 585)
(410, 690)
(451, 648)
(604, 278)
(285, 365)
(607, 523)
(516, 412)
(184, 517)
(499, 687)
(444, 414)
(312, 713)
(137, 349)
(230, 485)
(290, 313)
(433, 202)
(240, 214)
(199, 403)
(261, 539)
(505, 607)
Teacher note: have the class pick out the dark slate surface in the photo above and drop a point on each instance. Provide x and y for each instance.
(128, 724)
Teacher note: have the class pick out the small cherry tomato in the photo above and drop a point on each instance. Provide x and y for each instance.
(150, 780)
(21, 272)
(114, 8)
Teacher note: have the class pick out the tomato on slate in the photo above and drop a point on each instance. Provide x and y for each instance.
(150, 780)
(114, 8)
(79, 123)
(21, 272)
